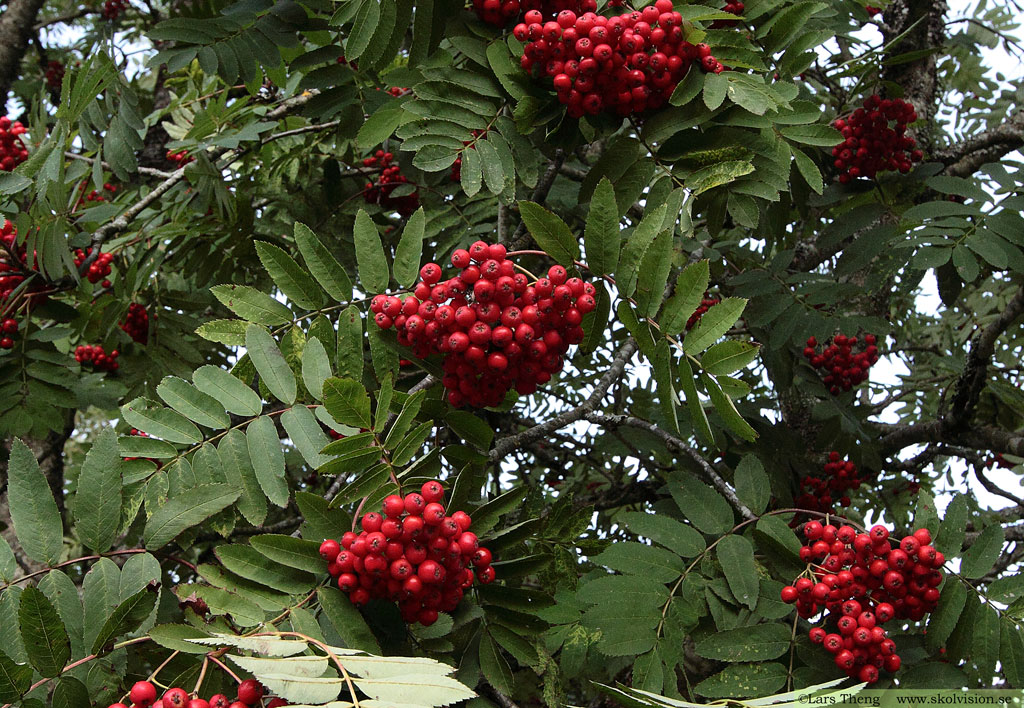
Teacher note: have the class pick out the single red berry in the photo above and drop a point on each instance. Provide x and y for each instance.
(143, 693)
(250, 692)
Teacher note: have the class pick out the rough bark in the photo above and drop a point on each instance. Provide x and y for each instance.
(17, 24)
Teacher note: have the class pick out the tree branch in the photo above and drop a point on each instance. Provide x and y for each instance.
(520, 239)
(972, 380)
(509, 443)
(17, 26)
(707, 472)
(965, 158)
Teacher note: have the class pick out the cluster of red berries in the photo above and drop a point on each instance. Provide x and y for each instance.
(837, 478)
(872, 10)
(94, 195)
(179, 158)
(112, 9)
(54, 74)
(353, 64)
(8, 327)
(495, 329)
(871, 145)
(624, 64)
(859, 582)
(456, 174)
(250, 693)
(387, 181)
(500, 12)
(414, 554)
(12, 149)
(845, 368)
(99, 269)
(12, 275)
(136, 323)
(397, 91)
(93, 355)
(733, 7)
(706, 304)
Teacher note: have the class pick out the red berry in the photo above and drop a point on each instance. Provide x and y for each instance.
(250, 692)
(143, 693)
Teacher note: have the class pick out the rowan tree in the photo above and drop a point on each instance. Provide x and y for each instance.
(536, 352)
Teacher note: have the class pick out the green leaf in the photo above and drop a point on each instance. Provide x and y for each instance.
(97, 508)
(688, 89)
(689, 291)
(192, 403)
(701, 505)
(983, 553)
(944, 618)
(744, 681)
(350, 344)
(639, 559)
(250, 564)
(306, 434)
(292, 552)
(367, 17)
(238, 469)
(185, 511)
(270, 364)
(347, 621)
(290, 278)
(727, 410)
(550, 232)
(152, 418)
(410, 250)
(601, 235)
(713, 324)
(653, 276)
(15, 679)
(814, 134)
(316, 366)
(715, 88)
(370, 259)
(640, 240)
(673, 535)
(34, 514)
(127, 617)
(46, 640)
(322, 265)
(319, 520)
(1011, 653)
(752, 484)
(8, 564)
(727, 357)
(381, 125)
(267, 459)
(808, 170)
(736, 556)
(950, 537)
(252, 304)
(665, 378)
(1007, 590)
(494, 666)
(757, 643)
(717, 174)
(173, 636)
(234, 395)
(347, 402)
(698, 418)
(230, 332)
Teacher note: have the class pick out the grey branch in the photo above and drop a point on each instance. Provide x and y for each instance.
(707, 472)
(509, 443)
